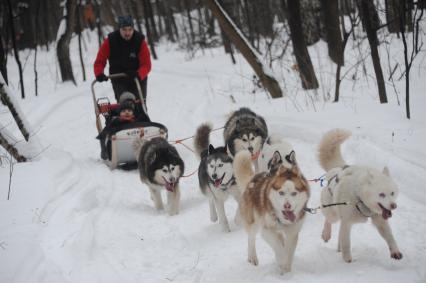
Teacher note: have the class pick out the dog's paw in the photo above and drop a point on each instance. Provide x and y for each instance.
(284, 269)
(347, 257)
(225, 228)
(326, 236)
(253, 260)
(213, 218)
(396, 255)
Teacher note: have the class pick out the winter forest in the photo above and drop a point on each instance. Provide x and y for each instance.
(305, 66)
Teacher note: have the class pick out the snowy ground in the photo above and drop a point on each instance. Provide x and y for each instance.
(72, 219)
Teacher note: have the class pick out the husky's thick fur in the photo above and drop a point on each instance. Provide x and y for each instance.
(274, 203)
(270, 156)
(245, 130)
(368, 192)
(215, 175)
(160, 167)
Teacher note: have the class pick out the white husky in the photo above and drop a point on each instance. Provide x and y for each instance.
(368, 192)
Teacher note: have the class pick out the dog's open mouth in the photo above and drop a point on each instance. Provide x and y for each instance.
(169, 186)
(289, 215)
(255, 156)
(386, 213)
(218, 182)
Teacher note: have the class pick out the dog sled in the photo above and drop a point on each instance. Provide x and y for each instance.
(119, 142)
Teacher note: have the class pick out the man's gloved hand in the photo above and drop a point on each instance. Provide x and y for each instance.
(101, 78)
(132, 74)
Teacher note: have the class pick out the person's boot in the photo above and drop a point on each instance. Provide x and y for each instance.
(104, 153)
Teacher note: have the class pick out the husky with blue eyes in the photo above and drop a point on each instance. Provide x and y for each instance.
(274, 203)
(160, 167)
(215, 176)
(368, 192)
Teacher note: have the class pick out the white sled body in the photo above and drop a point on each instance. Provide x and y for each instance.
(122, 151)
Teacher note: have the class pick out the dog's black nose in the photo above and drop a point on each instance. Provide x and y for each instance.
(250, 148)
(172, 179)
(393, 205)
(214, 176)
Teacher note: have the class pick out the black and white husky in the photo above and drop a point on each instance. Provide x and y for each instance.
(215, 176)
(160, 167)
(245, 130)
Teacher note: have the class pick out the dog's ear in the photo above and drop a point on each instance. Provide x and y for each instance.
(275, 162)
(276, 158)
(386, 171)
(268, 141)
(210, 150)
(291, 157)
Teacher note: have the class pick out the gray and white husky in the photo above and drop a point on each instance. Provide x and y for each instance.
(160, 167)
(215, 176)
(245, 130)
(369, 193)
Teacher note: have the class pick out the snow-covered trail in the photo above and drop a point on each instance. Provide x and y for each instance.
(91, 224)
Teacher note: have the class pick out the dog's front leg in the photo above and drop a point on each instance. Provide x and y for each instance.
(289, 249)
(252, 256)
(156, 198)
(326, 231)
(345, 240)
(213, 214)
(220, 206)
(276, 241)
(385, 231)
(173, 199)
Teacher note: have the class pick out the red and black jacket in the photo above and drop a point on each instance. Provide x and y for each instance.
(123, 55)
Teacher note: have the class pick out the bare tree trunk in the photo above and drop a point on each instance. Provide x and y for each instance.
(148, 30)
(332, 29)
(79, 30)
(367, 10)
(5, 98)
(160, 15)
(268, 81)
(11, 149)
(188, 15)
(167, 21)
(393, 14)
(63, 50)
(98, 23)
(15, 48)
(3, 59)
(149, 15)
(346, 36)
(310, 18)
(306, 69)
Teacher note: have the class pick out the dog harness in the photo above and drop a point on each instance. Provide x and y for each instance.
(364, 210)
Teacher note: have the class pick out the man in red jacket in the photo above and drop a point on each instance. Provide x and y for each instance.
(127, 52)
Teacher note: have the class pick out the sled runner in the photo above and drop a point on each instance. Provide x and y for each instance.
(119, 141)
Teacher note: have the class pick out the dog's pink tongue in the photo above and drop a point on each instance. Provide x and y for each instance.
(289, 215)
(170, 186)
(217, 182)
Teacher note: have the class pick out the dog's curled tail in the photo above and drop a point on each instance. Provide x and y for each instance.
(330, 155)
(243, 169)
(201, 140)
(137, 146)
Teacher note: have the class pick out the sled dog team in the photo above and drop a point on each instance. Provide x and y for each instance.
(261, 173)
